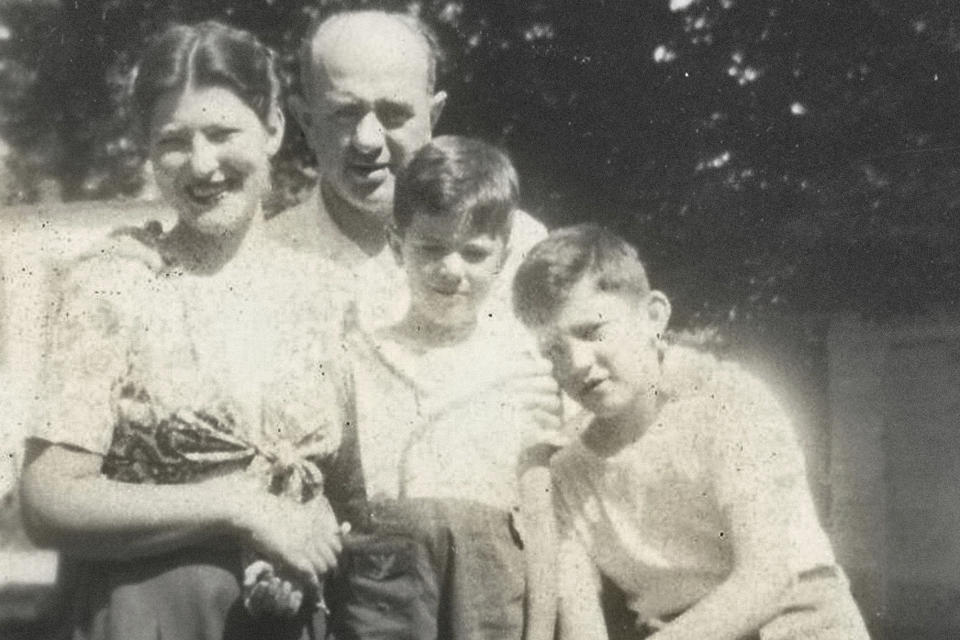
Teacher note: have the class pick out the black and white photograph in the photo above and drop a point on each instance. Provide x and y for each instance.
(479, 320)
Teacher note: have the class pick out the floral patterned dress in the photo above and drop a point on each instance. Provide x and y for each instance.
(173, 377)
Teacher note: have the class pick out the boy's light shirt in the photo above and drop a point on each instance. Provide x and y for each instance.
(433, 423)
(378, 283)
(650, 516)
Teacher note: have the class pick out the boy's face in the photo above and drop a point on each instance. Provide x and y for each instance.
(449, 269)
(604, 348)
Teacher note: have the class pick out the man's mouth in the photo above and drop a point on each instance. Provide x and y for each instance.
(373, 171)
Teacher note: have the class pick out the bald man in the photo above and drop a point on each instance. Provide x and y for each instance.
(369, 101)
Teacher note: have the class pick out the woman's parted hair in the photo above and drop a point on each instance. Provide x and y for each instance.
(555, 265)
(207, 54)
(462, 177)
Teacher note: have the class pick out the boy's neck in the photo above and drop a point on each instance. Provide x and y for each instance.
(607, 436)
(423, 332)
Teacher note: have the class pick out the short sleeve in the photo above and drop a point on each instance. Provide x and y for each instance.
(755, 453)
(86, 355)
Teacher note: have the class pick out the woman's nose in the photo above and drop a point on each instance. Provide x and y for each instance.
(203, 157)
(368, 134)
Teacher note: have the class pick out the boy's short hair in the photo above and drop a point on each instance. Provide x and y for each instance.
(556, 264)
(462, 177)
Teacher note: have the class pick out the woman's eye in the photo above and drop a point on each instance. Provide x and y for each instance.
(219, 136)
(171, 143)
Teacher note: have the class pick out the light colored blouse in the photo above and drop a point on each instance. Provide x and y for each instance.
(136, 340)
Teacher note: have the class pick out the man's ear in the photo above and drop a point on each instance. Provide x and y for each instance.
(301, 113)
(395, 240)
(276, 124)
(657, 308)
(437, 103)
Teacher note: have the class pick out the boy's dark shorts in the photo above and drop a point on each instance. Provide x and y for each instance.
(430, 569)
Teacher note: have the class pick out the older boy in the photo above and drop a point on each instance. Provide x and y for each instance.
(688, 488)
(450, 410)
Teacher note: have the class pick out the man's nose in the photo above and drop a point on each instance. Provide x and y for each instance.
(203, 156)
(368, 134)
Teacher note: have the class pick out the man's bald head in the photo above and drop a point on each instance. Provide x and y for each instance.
(368, 103)
(391, 29)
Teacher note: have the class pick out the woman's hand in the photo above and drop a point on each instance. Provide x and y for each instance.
(304, 537)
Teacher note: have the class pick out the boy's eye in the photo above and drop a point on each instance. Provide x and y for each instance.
(590, 332)
(433, 250)
(552, 349)
(475, 254)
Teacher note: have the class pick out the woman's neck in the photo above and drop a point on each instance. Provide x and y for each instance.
(207, 254)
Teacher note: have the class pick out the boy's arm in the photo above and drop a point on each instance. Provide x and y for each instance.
(578, 582)
(748, 598)
(539, 551)
(759, 478)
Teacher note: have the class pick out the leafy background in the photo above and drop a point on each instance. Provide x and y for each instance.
(782, 157)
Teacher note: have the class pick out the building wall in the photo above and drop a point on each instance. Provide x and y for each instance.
(894, 413)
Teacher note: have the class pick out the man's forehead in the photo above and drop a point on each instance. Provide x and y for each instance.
(369, 45)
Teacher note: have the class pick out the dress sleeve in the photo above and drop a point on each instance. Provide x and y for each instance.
(88, 341)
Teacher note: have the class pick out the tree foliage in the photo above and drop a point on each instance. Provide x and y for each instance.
(782, 157)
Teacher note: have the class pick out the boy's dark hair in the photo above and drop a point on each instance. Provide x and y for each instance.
(207, 54)
(462, 177)
(556, 264)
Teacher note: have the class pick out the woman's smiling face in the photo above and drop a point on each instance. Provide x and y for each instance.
(211, 156)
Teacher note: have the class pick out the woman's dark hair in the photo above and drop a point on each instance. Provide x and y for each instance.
(207, 54)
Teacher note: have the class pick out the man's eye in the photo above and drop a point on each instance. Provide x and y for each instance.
(392, 116)
(348, 112)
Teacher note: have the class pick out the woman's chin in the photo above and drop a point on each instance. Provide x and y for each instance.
(227, 216)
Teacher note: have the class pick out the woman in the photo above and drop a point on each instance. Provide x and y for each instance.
(162, 380)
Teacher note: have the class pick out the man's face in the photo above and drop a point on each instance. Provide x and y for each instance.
(604, 348)
(368, 105)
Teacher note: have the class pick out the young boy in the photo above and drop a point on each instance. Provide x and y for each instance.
(687, 490)
(453, 419)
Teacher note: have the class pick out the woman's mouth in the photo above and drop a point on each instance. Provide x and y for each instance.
(209, 193)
